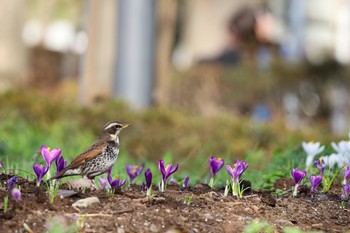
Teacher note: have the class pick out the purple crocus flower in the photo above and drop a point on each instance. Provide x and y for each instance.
(173, 181)
(320, 163)
(133, 171)
(103, 182)
(238, 168)
(60, 164)
(346, 175)
(166, 172)
(16, 194)
(40, 172)
(109, 171)
(148, 177)
(215, 164)
(346, 192)
(143, 186)
(11, 183)
(298, 176)
(50, 155)
(315, 182)
(236, 173)
(75, 217)
(115, 183)
(185, 184)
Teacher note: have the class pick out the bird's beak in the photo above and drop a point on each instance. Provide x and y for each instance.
(125, 126)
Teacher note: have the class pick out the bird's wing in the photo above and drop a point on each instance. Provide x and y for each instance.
(88, 155)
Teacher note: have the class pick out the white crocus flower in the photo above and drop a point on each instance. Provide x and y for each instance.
(344, 159)
(311, 149)
(343, 147)
(330, 160)
(335, 159)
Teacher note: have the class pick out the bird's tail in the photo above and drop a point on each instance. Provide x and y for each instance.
(68, 171)
(59, 175)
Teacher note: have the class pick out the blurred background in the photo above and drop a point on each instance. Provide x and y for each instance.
(194, 77)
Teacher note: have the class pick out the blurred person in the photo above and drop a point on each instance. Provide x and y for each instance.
(249, 34)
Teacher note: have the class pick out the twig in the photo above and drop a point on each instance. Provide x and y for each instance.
(76, 208)
(27, 228)
(249, 196)
(124, 211)
(90, 215)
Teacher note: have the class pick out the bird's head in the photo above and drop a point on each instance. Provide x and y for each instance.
(113, 128)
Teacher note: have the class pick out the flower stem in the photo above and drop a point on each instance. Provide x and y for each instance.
(226, 189)
(332, 180)
(295, 191)
(162, 186)
(149, 191)
(212, 182)
(342, 205)
(235, 186)
(6, 203)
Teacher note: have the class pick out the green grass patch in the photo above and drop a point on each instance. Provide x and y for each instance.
(29, 120)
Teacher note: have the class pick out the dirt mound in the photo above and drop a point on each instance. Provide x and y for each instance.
(176, 210)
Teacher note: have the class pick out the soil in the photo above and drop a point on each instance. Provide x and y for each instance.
(128, 210)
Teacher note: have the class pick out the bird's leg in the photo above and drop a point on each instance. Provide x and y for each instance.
(93, 183)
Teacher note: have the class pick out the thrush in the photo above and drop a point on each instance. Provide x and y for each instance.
(99, 157)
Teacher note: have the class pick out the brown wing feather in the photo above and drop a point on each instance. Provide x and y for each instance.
(88, 155)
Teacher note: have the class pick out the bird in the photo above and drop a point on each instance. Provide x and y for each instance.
(99, 157)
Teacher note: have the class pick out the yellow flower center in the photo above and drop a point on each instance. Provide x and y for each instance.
(48, 148)
(219, 159)
(116, 177)
(133, 171)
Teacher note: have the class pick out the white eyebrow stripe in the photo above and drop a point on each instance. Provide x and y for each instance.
(111, 125)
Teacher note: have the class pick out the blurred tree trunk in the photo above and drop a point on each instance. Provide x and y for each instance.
(166, 22)
(12, 51)
(98, 63)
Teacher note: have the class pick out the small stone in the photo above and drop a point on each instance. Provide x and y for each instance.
(317, 225)
(153, 228)
(202, 186)
(284, 222)
(167, 210)
(322, 197)
(173, 230)
(208, 216)
(86, 202)
(184, 219)
(120, 230)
